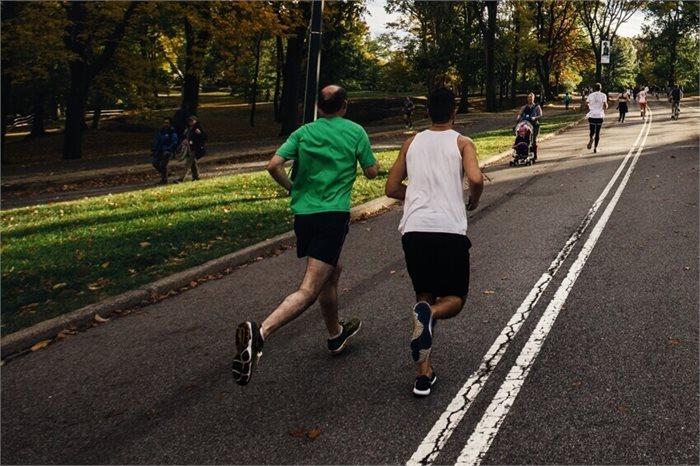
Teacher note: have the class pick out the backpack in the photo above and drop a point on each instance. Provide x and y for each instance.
(183, 150)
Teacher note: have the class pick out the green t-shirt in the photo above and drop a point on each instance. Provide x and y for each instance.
(326, 152)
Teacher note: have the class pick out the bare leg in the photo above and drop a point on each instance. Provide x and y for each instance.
(442, 308)
(316, 275)
(328, 300)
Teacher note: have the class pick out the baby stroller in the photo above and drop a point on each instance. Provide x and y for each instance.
(523, 147)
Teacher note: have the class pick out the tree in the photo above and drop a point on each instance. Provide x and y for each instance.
(601, 20)
(488, 29)
(93, 33)
(34, 60)
(555, 24)
(669, 22)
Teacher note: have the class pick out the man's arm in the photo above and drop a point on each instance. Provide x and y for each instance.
(372, 171)
(276, 169)
(395, 188)
(471, 168)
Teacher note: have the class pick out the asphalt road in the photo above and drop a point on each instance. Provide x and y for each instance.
(578, 343)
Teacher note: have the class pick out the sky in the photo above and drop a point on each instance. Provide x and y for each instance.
(378, 18)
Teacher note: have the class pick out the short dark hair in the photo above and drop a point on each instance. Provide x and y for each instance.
(441, 104)
(598, 86)
(332, 102)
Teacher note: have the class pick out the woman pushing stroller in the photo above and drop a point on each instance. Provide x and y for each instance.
(531, 113)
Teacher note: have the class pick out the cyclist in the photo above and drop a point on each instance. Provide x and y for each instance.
(676, 96)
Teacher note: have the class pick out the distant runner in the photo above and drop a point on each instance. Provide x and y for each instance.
(597, 104)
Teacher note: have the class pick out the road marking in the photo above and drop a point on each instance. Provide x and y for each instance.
(487, 428)
(442, 430)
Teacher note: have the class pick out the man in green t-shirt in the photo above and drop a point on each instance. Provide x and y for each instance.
(326, 153)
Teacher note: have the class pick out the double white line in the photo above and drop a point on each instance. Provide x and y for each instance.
(479, 442)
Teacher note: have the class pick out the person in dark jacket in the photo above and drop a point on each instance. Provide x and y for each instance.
(163, 147)
(196, 137)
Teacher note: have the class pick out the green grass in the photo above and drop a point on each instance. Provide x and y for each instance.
(59, 257)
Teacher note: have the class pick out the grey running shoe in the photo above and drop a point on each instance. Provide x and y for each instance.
(249, 345)
(423, 384)
(350, 328)
(422, 339)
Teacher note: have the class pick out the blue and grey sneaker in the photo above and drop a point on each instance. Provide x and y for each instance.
(350, 328)
(422, 339)
(249, 345)
(423, 384)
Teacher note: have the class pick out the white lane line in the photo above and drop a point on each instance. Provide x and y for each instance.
(443, 428)
(487, 428)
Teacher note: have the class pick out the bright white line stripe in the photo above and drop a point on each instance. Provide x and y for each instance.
(442, 430)
(484, 433)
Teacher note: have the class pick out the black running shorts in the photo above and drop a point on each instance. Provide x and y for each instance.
(322, 235)
(438, 263)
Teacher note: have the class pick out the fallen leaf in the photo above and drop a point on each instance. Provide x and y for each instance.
(100, 319)
(489, 292)
(392, 272)
(39, 345)
(313, 434)
(298, 433)
(105, 265)
(66, 333)
(144, 244)
(58, 286)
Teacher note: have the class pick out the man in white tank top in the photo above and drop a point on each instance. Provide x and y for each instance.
(434, 223)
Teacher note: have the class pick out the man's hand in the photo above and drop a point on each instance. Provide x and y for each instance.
(472, 204)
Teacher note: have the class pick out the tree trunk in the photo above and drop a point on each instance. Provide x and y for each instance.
(6, 112)
(75, 111)
(97, 113)
(490, 49)
(38, 122)
(289, 106)
(279, 48)
(255, 79)
(190, 85)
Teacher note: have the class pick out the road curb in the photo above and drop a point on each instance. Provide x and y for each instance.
(20, 341)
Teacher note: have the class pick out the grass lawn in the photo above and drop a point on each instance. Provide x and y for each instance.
(59, 257)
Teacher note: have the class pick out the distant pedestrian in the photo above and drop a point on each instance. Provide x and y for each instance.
(163, 148)
(408, 107)
(566, 99)
(195, 137)
(532, 113)
(434, 224)
(597, 104)
(622, 99)
(642, 97)
(328, 151)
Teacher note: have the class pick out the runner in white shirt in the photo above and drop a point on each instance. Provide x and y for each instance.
(597, 104)
(642, 99)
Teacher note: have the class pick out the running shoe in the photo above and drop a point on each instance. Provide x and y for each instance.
(423, 384)
(422, 339)
(590, 143)
(350, 328)
(249, 345)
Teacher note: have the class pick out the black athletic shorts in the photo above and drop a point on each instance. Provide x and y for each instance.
(321, 236)
(438, 263)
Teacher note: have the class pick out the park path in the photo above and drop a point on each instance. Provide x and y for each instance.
(24, 185)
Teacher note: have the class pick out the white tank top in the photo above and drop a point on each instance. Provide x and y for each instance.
(435, 194)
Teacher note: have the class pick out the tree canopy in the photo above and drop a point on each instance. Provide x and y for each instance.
(86, 56)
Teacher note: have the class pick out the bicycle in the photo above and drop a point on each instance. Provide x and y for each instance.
(675, 110)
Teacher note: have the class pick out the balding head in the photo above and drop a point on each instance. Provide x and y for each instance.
(332, 100)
